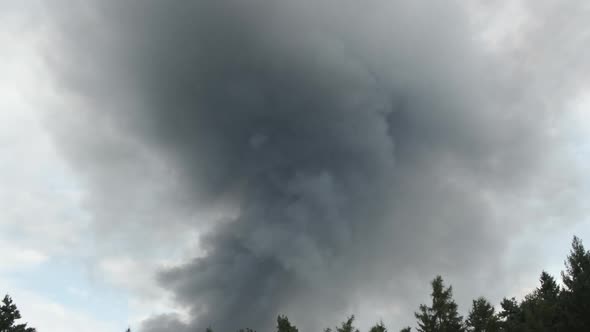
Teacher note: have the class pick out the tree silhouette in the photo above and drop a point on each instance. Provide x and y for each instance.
(548, 308)
(576, 295)
(541, 309)
(511, 315)
(283, 325)
(346, 326)
(442, 315)
(379, 327)
(482, 317)
(9, 314)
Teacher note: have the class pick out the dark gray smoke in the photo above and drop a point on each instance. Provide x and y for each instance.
(351, 149)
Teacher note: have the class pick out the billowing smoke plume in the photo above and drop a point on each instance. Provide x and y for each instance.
(344, 147)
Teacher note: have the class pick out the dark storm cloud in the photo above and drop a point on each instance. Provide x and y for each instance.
(356, 144)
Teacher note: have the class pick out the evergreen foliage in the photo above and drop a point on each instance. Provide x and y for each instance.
(9, 314)
(482, 317)
(442, 315)
(283, 325)
(379, 327)
(576, 294)
(346, 326)
(548, 308)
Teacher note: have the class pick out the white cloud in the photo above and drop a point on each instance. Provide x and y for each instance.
(14, 258)
(47, 315)
(40, 217)
(38, 197)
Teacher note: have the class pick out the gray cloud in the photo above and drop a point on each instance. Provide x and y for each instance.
(334, 147)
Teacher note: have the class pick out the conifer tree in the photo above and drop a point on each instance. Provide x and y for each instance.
(540, 310)
(547, 304)
(482, 317)
(442, 315)
(346, 326)
(9, 314)
(379, 327)
(283, 325)
(511, 315)
(576, 295)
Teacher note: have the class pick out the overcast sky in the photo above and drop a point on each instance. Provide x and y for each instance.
(173, 165)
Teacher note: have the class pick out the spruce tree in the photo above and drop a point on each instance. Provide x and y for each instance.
(511, 315)
(283, 325)
(546, 306)
(443, 315)
(379, 327)
(540, 309)
(482, 317)
(346, 326)
(9, 314)
(576, 294)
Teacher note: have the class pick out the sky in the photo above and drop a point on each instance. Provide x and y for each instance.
(178, 165)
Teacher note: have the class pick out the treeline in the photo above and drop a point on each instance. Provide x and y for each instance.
(549, 308)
